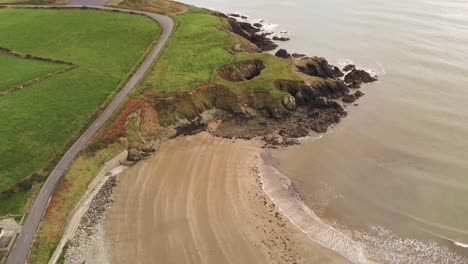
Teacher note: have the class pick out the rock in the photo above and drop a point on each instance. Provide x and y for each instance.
(244, 17)
(123, 141)
(349, 67)
(258, 25)
(349, 98)
(280, 38)
(319, 67)
(250, 33)
(234, 15)
(355, 85)
(337, 72)
(192, 128)
(282, 53)
(359, 94)
(134, 155)
(148, 148)
(359, 76)
(300, 101)
(289, 102)
(298, 55)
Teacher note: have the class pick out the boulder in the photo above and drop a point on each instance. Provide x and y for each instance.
(359, 94)
(258, 25)
(349, 67)
(282, 53)
(349, 98)
(280, 38)
(355, 85)
(337, 72)
(359, 76)
(134, 155)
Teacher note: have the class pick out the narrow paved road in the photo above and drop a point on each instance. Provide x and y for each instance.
(20, 250)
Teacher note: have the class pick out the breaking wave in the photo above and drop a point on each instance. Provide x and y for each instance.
(376, 245)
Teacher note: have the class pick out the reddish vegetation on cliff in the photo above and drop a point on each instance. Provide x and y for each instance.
(117, 127)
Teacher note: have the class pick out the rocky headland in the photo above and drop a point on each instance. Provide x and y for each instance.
(293, 110)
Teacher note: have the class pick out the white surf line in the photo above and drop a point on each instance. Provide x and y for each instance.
(108, 170)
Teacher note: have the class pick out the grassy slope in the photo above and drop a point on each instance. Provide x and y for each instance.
(71, 188)
(16, 70)
(197, 48)
(39, 121)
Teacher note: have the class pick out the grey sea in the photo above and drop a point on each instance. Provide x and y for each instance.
(389, 184)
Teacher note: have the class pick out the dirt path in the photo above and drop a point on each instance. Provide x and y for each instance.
(199, 200)
(20, 251)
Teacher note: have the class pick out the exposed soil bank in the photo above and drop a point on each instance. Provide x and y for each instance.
(200, 200)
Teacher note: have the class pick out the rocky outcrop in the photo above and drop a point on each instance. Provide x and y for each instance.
(251, 33)
(359, 94)
(359, 76)
(349, 98)
(349, 67)
(282, 53)
(241, 71)
(305, 94)
(319, 67)
(280, 38)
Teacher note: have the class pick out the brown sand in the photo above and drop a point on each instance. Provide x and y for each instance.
(200, 200)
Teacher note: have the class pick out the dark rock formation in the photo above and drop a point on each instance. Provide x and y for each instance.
(349, 98)
(241, 71)
(355, 85)
(280, 38)
(359, 76)
(337, 72)
(192, 128)
(250, 33)
(349, 67)
(298, 55)
(282, 53)
(359, 94)
(319, 67)
(258, 25)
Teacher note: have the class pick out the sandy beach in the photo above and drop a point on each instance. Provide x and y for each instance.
(199, 199)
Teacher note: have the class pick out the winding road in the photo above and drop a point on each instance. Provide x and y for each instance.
(20, 250)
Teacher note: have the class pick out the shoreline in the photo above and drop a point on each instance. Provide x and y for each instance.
(243, 208)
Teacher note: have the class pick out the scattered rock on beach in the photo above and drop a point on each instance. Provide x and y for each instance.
(258, 25)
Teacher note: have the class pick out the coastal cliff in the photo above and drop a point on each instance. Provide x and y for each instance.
(275, 98)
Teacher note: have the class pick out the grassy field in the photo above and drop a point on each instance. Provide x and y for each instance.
(198, 47)
(38, 122)
(16, 70)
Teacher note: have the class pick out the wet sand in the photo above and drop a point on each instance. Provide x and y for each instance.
(200, 200)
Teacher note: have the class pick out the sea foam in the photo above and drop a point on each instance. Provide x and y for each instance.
(376, 245)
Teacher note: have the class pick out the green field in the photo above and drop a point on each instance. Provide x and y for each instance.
(16, 70)
(198, 47)
(38, 122)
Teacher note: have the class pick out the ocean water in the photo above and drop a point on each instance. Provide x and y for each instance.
(389, 184)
